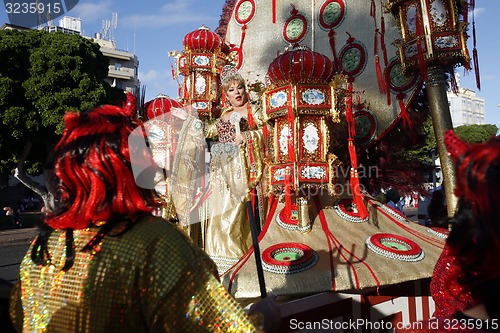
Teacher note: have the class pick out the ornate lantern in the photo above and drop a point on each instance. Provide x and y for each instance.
(300, 102)
(162, 141)
(433, 32)
(200, 64)
(434, 40)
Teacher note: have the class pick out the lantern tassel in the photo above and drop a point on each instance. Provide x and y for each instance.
(476, 68)
(354, 179)
(331, 39)
(380, 77)
(474, 50)
(407, 123)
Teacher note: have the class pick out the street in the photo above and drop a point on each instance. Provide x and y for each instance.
(13, 244)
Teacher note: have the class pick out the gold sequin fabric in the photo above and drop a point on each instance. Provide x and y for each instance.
(148, 279)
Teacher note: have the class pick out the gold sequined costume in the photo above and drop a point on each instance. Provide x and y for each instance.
(234, 172)
(147, 279)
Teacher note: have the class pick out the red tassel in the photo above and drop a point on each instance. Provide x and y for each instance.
(454, 84)
(288, 194)
(382, 41)
(291, 152)
(331, 39)
(404, 113)
(474, 50)
(354, 180)
(380, 76)
(274, 11)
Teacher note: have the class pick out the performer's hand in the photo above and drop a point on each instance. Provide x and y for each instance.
(240, 140)
(180, 113)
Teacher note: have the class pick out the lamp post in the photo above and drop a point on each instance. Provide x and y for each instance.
(433, 43)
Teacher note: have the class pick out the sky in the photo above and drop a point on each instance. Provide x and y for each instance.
(152, 28)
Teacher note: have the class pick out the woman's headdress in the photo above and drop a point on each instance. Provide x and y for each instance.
(229, 73)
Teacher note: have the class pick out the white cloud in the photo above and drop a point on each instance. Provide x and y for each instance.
(91, 12)
(478, 11)
(149, 75)
(158, 83)
(168, 14)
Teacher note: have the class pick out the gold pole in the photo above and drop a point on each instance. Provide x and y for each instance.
(441, 120)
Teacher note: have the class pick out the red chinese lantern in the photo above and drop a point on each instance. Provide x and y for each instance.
(200, 64)
(300, 102)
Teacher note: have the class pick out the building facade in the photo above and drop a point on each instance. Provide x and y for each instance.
(465, 107)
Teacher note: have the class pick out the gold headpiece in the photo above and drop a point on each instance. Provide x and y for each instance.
(229, 72)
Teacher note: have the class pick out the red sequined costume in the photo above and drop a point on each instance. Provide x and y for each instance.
(448, 295)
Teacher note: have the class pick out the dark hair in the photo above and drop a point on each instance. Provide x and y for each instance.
(392, 195)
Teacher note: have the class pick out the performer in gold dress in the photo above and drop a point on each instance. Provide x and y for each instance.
(102, 262)
(236, 169)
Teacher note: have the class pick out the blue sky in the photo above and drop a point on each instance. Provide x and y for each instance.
(151, 29)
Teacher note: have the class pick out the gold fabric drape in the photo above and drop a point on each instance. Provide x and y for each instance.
(224, 216)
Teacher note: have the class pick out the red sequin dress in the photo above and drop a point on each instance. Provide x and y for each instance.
(449, 296)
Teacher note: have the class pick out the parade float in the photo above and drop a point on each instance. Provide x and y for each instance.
(328, 248)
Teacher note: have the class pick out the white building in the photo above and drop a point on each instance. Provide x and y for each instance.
(123, 66)
(465, 107)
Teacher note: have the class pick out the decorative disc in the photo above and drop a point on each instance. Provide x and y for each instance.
(245, 11)
(353, 57)
(331, 13)
(398, 81)
(366, 126)
(439, 232)
(288, 258)
(395, 247)
(345, 209)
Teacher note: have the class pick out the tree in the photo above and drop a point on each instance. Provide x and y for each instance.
(43, 75)
(476, 133)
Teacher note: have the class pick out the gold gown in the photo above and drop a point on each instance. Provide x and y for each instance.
(235, 176)
(148, 279)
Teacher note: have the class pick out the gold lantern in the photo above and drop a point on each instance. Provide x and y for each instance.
(433, 33)
(434, 41)
(200, 64)
(299, 101)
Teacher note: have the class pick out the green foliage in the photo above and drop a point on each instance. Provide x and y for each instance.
(43, 75)
(420, 151)
(476, 133)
